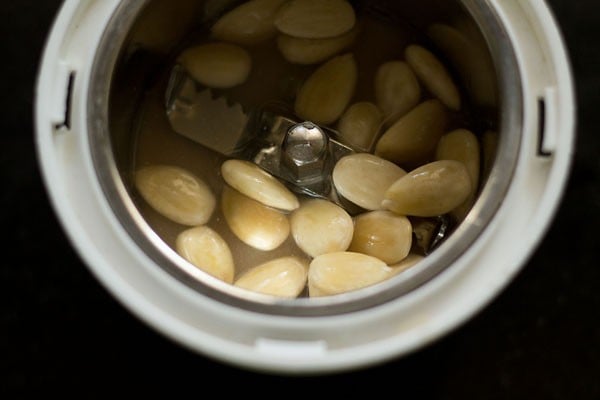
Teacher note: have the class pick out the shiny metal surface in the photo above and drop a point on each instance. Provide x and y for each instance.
(305, 151)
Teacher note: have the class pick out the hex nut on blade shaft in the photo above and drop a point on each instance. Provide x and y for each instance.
(305, 151)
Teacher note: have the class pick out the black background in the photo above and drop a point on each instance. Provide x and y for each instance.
(59, 329)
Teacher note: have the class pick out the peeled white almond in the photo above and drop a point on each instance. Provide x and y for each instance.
(364, 179)
(315, 19)
(170, 21)
(433, 189)
(249, 23)
(359, 125)
(470, 60)
(414, 136)
(314, 51)
(176, 194)
(341, 272)
(253, 223)
(396, 89)
(320, 226)
(207, 250)
(323, 98)
(382, 234)
(283, 277)
(217, 65)
(249, 179)
(434, 75)
(461, 145)
(406, 263)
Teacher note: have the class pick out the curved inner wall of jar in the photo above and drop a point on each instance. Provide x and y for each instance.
(128, 125)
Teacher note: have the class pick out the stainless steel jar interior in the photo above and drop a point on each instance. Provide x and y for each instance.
(139, 43)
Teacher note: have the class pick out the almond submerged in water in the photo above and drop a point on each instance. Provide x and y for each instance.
(323, 98)
(320, 227)
(283, 277)
(468, 58)
(217, 65)
(359, 124)
(364, 179)
(249, 179)
(341, 272)
(249, 23)
(396, 89)
(176, 194)
(462, 145)
(252, 222)
(313, 51)
(434, 75)
(207, 250)
(382, 234)
(414, 136)
(433, 189)
(315, 19)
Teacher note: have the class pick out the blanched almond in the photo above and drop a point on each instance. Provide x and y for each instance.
(249, 23)
(470, 59)
(207, 250)
(382, 234)
(320, 226)
(364, 179)
(314, 51)
(434, 75)
(252, 222)
(414, 136)
(170, 21)
(359, 125)
(396, 89)
(323, 98)
(341, 272)
(217, 65)
(249, 179)
(462, 145)
(433, 189)
(176, 194)
(283, 277)
(315, 19)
